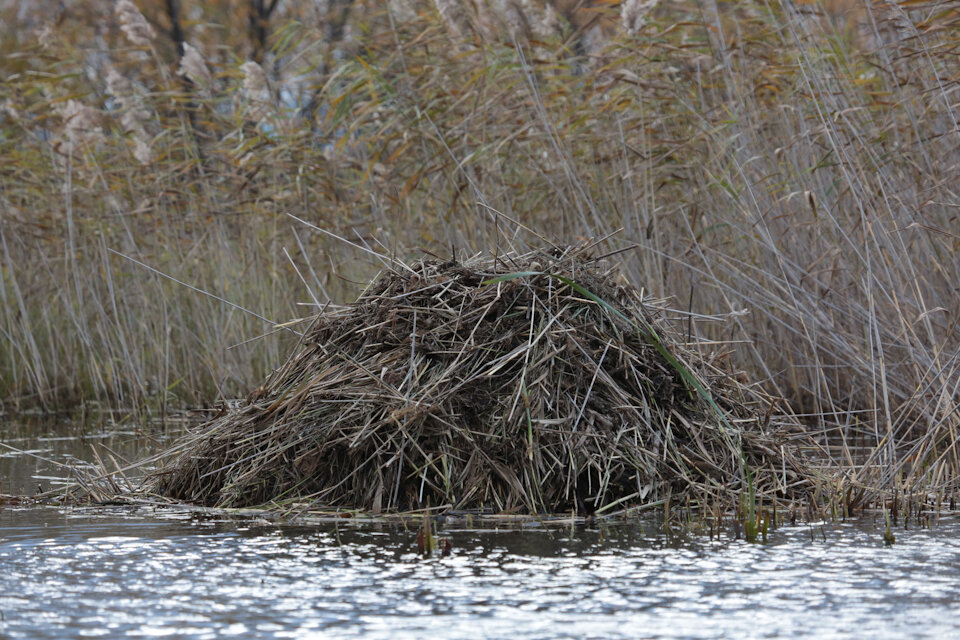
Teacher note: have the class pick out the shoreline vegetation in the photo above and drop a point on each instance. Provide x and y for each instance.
(183, 188)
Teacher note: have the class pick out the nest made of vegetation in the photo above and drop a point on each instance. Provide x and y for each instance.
(467, 384)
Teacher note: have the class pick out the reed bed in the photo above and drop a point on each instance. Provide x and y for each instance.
(786, 168)
(533, 382)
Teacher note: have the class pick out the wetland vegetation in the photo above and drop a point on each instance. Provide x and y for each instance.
(183, 187)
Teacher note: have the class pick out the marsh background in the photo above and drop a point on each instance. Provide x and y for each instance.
(785, 170)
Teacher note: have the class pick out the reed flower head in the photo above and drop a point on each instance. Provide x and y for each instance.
(403, 10)
(81, 123)
(193, 67)
(141, 148)
(134, 25)
(133, 116)
(80, 119)
(514, 18)
(451, 13)
(594, 40)
(257, 90)
(633, 14)
(547, 24)
(254, 79)
(118, 86)
(45, 36)
(133, 119)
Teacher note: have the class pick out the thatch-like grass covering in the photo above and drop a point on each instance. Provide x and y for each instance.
(529, 382)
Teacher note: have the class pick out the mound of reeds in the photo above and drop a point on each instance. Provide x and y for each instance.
(531, 382)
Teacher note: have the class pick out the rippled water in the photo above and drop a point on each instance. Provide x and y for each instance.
(112, 573)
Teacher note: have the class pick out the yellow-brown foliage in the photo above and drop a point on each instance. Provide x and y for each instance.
(791, 184)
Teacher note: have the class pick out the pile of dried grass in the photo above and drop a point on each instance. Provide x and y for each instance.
(473, 385)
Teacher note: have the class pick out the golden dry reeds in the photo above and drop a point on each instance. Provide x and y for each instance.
(532, 382)
(786, 167)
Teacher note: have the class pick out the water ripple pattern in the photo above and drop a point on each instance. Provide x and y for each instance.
(77, 575)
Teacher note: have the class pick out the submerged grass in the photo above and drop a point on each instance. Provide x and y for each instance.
(786, 170)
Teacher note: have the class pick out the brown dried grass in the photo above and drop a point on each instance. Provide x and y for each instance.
(532, 382)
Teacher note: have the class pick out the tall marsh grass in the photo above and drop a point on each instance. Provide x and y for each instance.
(786, 170)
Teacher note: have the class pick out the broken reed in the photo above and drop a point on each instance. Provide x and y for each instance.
(785, 175)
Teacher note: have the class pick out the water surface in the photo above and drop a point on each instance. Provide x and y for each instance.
(115, 572)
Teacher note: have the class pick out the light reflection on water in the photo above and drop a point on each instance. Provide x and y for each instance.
(80, 574)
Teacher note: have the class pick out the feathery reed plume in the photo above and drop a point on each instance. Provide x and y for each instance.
(81, 122)
(403, 10)
(193, 67)
(118, 87)
(141, 150)
(514, 18)
(594, 40)
(543, 20)
(45, 36)
(254, 80)
(484, 18)
(633, 14)
(134, 25)
(451, 14)
(133, 116)
(133, 113)
(256, 88)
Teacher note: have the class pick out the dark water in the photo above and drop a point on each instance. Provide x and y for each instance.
(75, 573)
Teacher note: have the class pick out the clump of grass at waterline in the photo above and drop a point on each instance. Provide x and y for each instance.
(531, 382)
